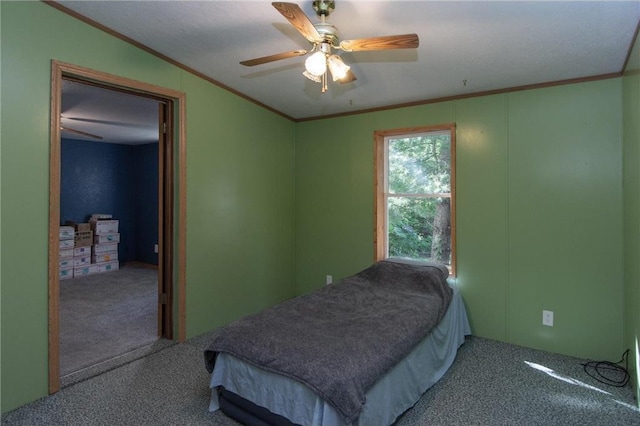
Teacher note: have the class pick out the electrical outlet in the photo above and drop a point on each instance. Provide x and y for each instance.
(155, 248)
(547, 318)
(329, 279)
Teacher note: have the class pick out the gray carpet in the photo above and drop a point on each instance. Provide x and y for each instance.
(103, 316)
(490, 383)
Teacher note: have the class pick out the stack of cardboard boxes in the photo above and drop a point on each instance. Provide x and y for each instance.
(82, 251)
(89, 248)
(105, 242)
(66, 252)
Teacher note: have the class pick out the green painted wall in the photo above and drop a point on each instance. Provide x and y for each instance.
(481, 203)
(631, 185)
(539, 209)
(273, 207)
(240, 188)
(564, 202)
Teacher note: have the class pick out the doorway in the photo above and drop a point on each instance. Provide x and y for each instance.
(171, 199)
(109, 286)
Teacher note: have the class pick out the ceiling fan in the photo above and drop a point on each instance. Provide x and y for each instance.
(324, 38)
(80, 132)
(65, 128)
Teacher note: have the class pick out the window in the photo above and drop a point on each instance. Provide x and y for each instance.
(415, 194)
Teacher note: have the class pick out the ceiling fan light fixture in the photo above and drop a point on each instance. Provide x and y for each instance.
(312, 77)
(337, 67)
(324, 37)
(316, 64)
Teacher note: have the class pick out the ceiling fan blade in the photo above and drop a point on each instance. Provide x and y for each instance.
(80, 132)
(271, 58)
(404, 41)
(348, 78)
(298, 19)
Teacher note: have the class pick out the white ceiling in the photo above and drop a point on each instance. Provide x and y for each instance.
(466, 47)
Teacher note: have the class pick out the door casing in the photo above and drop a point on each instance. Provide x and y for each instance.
(172, 200)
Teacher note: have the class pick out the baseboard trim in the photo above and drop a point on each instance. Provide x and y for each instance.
(137, 264)
(113, 363)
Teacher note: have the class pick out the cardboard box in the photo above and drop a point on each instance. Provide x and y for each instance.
(65, 253)
(66, 263)
(105, 226)
(85, 270)
(104, 257)
(66, 273)
(66, 244)
(84, 238)
(108, 266)
(100, 216)
(67, 232)
(106, 238)
(81, 260)
(82, 251)
(103, 248)
(82, 227)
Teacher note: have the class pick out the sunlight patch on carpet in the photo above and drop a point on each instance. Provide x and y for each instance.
(566, 379)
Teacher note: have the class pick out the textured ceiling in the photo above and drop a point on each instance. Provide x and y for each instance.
(465, 47)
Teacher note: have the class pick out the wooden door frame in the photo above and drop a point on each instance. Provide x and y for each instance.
(165, 219)
(177, 227)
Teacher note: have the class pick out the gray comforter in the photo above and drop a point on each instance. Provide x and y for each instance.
(339, 340)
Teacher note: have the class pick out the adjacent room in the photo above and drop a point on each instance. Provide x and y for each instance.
(301, 150)
(108, 293)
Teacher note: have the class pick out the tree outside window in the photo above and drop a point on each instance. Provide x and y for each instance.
(415, 202)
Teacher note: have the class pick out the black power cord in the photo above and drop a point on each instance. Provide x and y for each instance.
(609, 373)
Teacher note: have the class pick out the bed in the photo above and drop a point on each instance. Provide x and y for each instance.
(358, 352)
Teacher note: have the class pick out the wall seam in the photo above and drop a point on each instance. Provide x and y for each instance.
(507, 272)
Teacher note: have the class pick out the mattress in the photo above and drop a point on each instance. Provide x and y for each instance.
(389, 397)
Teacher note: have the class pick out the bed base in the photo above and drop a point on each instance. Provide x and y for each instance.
(248, 413)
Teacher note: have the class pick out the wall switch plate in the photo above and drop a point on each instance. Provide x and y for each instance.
(547, 318)
(155, 248)
(329, 279)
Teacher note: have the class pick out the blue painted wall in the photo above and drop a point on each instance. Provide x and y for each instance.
(146, 202)
(121, 180)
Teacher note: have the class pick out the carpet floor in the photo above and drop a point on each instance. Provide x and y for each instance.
(103, 316)
(490, 383)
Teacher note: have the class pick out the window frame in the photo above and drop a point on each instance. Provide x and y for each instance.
(380, 234)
